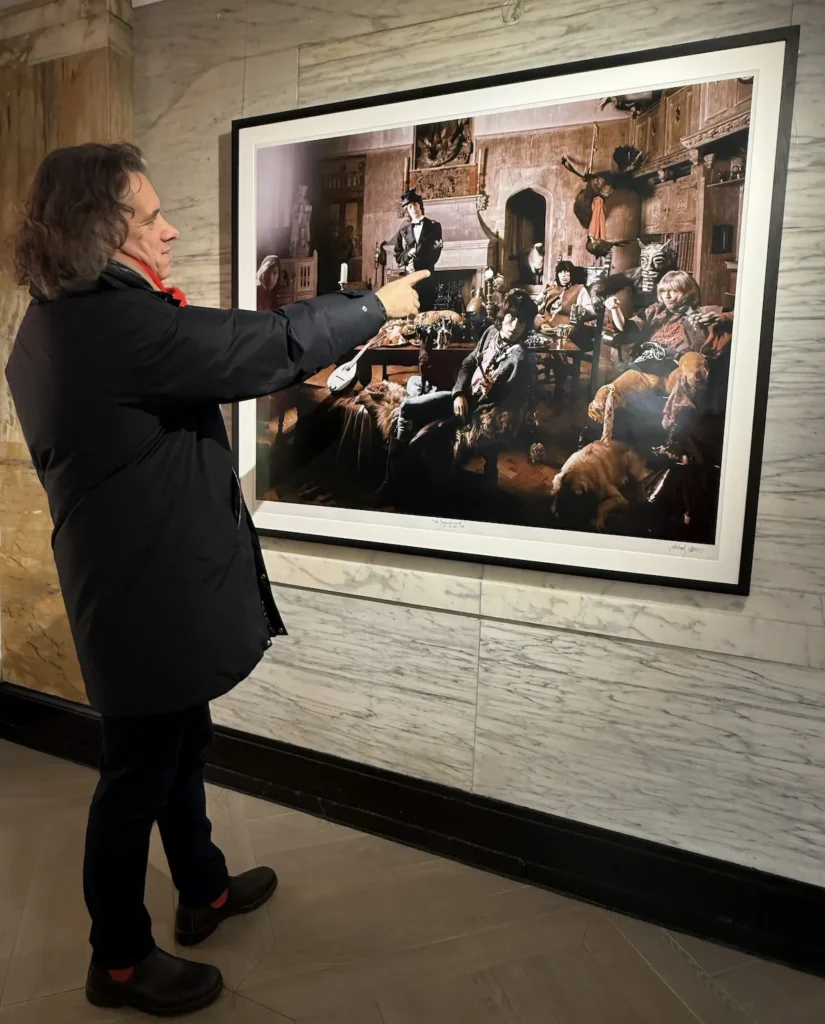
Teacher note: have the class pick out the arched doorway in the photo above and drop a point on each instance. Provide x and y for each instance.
(525, 218)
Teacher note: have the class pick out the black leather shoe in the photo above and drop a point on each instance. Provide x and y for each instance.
(247, 892)
(161, 985)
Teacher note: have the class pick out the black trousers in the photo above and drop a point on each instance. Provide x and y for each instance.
(151, 770)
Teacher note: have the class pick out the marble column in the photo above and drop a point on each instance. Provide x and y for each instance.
(65, 78)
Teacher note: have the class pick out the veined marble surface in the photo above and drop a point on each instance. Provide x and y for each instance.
(719, 623)
(381, 575)
(389, 686)
(722, 756)
(460, 44)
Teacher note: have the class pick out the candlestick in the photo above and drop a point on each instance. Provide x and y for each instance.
(406, 173)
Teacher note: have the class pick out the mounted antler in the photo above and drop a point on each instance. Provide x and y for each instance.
(568, 165)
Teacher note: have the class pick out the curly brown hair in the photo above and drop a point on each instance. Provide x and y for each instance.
(75, 216)
(520, 305)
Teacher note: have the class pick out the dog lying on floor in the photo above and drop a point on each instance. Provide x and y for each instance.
(606, 471)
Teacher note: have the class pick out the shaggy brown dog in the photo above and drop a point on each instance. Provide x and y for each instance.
(602, 469)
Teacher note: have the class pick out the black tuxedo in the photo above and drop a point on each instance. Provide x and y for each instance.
(423, 255)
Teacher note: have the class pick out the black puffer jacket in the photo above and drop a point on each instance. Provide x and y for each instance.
(118, 391)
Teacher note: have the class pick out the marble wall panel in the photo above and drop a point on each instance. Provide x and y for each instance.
(462, 44)
(382, 684)
(743, 627)
(714, 754)
(380, 575)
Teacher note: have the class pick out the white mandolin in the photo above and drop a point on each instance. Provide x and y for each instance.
(344, 375)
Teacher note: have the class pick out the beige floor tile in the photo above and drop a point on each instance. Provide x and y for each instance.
(357, 1013)
(18, 853)
(569, 986)
(51, 952)
(409, 907)
(254, 808)
(303, 995)
(361, 931)
(240, 944)
(330, 868)
(713, 959)
(66, 1008)
(34, 782)
(776, 995)
(234, 1009)
(294, 831)
(651, 1000)
(680, 972)
(73, 1008)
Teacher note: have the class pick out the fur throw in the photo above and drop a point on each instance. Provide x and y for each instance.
(488, 429)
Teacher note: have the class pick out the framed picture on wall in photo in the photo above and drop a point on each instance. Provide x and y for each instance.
(584, 387)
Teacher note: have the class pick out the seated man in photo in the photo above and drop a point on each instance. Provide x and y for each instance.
(497, 373)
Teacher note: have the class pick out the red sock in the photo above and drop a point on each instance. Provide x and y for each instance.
(122, 974)
(219, 902)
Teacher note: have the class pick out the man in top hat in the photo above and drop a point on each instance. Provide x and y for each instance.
(418, 246)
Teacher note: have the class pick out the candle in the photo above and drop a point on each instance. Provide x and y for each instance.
(406, 169)
(484, 162)
(343, 277)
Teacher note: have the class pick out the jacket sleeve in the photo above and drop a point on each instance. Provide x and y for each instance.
(399, 249)
(438, 242)
(229, 355)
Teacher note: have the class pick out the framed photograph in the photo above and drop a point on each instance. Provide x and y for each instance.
(584, 388)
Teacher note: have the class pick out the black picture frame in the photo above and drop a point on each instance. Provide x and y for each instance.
(789, 36)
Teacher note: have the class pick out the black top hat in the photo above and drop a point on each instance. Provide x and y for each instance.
(411, 196)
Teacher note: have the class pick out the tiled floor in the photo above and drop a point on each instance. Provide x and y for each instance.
(361, 931)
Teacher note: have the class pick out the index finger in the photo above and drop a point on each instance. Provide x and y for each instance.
(417, 275)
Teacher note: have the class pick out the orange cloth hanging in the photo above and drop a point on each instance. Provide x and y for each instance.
(597, 226)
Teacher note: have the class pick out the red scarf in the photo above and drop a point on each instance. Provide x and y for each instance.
(176, 293)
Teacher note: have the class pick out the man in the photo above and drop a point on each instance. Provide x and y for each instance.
(498, 372)
(117, 382)
(418, 245)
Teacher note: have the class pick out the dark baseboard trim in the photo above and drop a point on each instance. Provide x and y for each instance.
(762, 914)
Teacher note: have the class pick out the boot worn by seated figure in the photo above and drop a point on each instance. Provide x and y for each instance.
(246, 892)
(161, 985)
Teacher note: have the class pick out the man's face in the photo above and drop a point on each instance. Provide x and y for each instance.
(150, 234)
(512, 330)
(671, 297)
(414, 211)
(564, 278)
